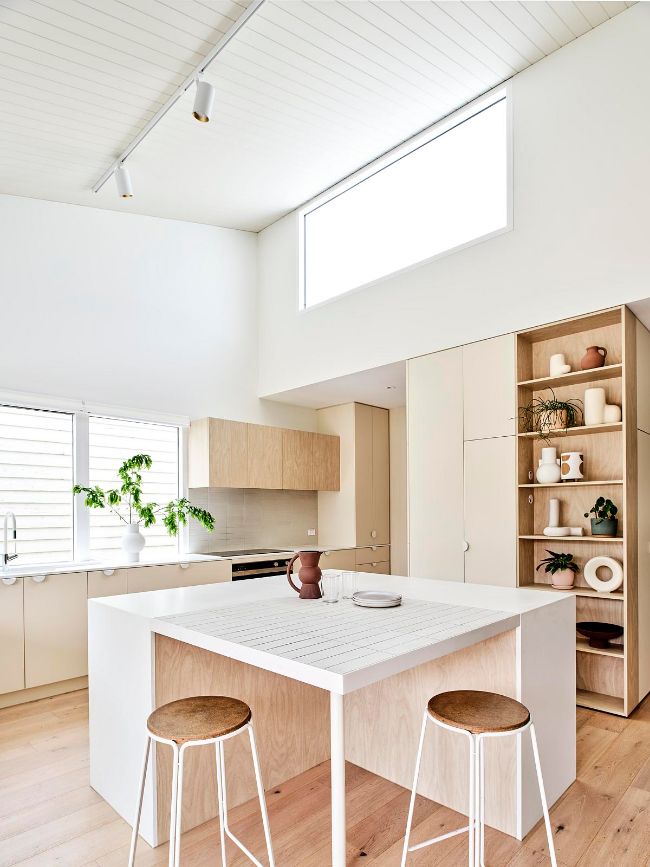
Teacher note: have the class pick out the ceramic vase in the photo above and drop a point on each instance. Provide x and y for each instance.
(612, 413)
(571, 466)
(594, 357)
(132, 542)
(594, 406)
(563, 580)
(553, 512)
(548, 470)
(558, 365)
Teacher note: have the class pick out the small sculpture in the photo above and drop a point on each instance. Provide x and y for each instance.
(558, 365)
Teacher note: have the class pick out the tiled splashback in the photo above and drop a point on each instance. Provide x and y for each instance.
(252, 517)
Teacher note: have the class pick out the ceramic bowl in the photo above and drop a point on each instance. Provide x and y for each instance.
(599, 634)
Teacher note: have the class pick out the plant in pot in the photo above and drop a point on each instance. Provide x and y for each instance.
(604, 522)
(561, 568)
(127, 503)
(543, 415)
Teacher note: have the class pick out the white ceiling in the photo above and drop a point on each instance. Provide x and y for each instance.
(381, 386)
(307, 92)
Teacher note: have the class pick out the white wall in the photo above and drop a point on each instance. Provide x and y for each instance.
(580, 238)
(132, 311)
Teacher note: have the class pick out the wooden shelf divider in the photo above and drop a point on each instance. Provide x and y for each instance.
(582, 484)
(583, 646)
(599, 701)
(577, 591)
(578, 430)
(609, 371)
(572, 539)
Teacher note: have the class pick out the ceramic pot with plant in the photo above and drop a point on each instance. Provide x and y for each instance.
(561, 568)
(127, 503)
(604, 522)
(544, 415)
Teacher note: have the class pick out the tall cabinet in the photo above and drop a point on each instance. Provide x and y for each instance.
(461, 449)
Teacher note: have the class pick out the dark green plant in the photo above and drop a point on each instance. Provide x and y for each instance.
(603, 509)
(128, 498)
(557, 563)
(542, 415)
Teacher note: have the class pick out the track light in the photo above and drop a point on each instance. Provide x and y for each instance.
(123, 182)
(203, 101)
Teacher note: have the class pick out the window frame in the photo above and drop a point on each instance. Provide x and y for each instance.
(81, 412)
(502, 92)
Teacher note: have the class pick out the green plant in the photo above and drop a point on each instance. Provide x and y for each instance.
(603, 509)
(557, 563)
(542, 415)
(128, 499)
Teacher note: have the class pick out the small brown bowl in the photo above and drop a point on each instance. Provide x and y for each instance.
(599, 634)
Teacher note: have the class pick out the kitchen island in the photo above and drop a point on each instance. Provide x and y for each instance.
(331, 681)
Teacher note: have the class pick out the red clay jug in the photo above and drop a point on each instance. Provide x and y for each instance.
(594, 357)
(309, 574)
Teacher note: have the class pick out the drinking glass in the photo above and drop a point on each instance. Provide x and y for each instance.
(348, 584)
(331, 586)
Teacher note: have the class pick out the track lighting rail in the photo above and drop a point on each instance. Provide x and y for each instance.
(232, 31)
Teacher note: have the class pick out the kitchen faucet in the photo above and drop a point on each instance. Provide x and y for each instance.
(6, 557)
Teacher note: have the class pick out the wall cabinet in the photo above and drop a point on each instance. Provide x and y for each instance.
(229, 454)
(56, 628)
(488, 388)
(358, 511)
(145, 578)
(12, 637)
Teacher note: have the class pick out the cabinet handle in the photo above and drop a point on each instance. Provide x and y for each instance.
(38, 579)
(373, 533)
(184, 565)
(374, 565)
(108, 572)
(465, 545)
(9, 581)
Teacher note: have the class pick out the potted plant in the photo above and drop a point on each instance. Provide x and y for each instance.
(562, 569)
(605, 522)
(543, 415)
(126, 502)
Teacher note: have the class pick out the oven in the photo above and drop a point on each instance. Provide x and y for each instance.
(259, 568)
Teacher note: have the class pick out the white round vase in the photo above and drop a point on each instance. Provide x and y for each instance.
(132, 542)
(548, 470)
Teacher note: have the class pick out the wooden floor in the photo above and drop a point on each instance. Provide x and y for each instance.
(50, 816)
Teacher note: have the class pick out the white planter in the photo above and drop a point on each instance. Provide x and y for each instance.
(132, 542)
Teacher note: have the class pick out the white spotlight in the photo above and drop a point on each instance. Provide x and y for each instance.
(203, 101)
(123, 182)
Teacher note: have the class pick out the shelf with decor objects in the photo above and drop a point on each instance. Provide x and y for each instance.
(578, 445)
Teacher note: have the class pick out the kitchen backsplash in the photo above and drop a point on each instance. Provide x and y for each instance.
(251, 517)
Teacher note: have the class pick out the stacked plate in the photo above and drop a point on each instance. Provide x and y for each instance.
(376, 599)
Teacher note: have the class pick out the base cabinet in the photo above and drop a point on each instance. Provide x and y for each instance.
(107, 582)
(343, 559)
(12, 637)
(56, 628)
(144, 578)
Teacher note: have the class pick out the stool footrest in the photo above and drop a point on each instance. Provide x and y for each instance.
(242, 847)
(439, 839)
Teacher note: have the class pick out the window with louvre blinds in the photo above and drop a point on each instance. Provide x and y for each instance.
(36, 477)
(111, 441)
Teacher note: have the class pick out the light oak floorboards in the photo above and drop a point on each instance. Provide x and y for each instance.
(50, 817)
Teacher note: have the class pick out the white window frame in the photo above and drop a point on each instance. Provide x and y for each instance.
(81, 410)
(428, 135)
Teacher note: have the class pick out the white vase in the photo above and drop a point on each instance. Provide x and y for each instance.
(594, 406)
(612, 413)
(558, 365)
(548, 470)
(132, 542)
(571, 466)
(553, 512)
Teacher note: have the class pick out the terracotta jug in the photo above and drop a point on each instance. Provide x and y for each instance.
(309, 574)
(594, 357)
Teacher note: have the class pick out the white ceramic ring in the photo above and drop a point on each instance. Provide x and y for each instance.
(592, 579)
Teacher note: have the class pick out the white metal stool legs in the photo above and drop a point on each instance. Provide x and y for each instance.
(476, 810)
(176, 805)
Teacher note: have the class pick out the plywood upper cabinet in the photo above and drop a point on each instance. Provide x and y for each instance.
(230, 454)
(218, 454)
(264, 456)
(56, 628)
(12, 667)
(489, 388)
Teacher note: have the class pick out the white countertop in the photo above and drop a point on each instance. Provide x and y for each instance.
(20, 570)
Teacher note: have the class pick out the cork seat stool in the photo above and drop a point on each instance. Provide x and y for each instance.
(478, 716)
(193, 722)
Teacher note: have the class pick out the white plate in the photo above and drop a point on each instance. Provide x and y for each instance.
(376, 599)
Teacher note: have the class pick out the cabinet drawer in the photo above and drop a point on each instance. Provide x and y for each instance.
(382, 568)
(56, 628)
(342, 559)
(373, 554)
(107, 582)
(145, 578)
(12, 637)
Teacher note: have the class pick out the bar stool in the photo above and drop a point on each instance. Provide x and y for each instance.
(194, 722)
(478, 716)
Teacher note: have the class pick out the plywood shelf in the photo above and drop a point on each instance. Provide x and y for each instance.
(577, 591)
(609, 371)
(572, 539)
(577, 431)
(581, 484)
(599, 701)
(583, 646)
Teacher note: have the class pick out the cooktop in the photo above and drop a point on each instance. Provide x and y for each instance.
(248, 552)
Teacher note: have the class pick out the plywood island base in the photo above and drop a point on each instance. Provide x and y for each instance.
(382, 725)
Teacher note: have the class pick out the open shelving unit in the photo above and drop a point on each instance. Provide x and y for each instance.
(607, 679)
